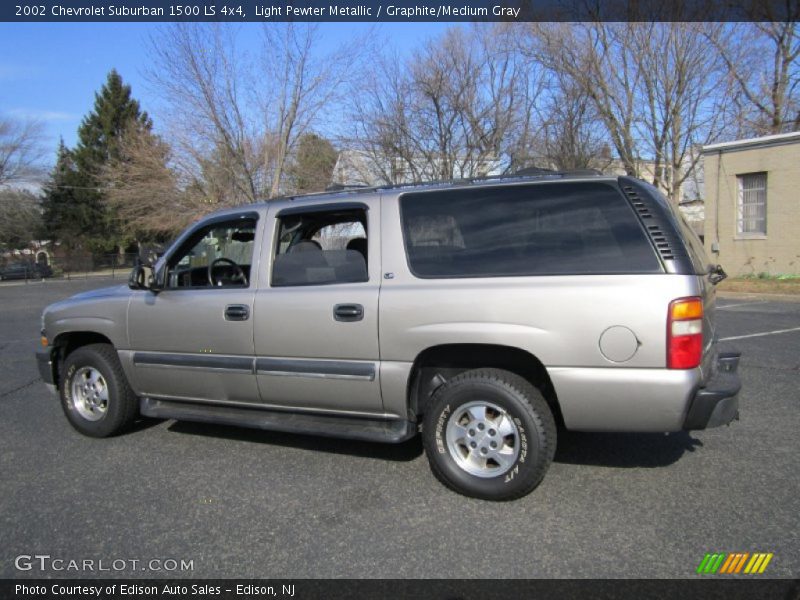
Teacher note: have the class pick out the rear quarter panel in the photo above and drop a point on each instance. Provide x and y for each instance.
(559, 320)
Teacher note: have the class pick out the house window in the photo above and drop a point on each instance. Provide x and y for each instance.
(752, 206)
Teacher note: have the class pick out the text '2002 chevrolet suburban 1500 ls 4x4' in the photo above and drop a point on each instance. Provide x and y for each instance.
(483, 312)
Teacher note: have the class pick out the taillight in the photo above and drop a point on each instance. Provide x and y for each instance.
(685, 333)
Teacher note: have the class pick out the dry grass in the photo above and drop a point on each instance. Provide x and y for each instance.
(754, 285)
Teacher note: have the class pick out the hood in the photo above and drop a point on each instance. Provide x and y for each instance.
(75, 306)
(115, 290)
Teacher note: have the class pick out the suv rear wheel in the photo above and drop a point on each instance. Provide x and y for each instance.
(95, 394)
(489, 434)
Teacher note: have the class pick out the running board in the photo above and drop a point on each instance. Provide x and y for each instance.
(370, 430)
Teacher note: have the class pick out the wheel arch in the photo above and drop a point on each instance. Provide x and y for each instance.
(67, 342)
(436, 364)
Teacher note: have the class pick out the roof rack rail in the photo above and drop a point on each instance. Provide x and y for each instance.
(343, 187)
(530, 173)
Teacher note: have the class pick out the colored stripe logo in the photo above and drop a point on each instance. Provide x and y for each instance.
(722, 563)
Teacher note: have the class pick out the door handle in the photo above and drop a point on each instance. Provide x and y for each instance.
(237, 312)
(348, 312)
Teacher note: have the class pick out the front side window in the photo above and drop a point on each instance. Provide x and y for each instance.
(219, 255)
(752, 204)
(545, 229)
(321, 248)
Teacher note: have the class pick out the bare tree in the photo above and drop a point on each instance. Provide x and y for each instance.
(453, 109)
(763, 60)
(682, 97)
(595, 57)
(655, 87)
(381, 133)
(500, 112)
(299, 84)
(566, 133)
(20, 218)
(238, 115)
(20, 149)
(200, 73)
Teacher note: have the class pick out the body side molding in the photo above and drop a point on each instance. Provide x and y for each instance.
(328, 369)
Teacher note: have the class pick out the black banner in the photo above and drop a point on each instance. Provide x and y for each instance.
(405, 589)
(239, 11)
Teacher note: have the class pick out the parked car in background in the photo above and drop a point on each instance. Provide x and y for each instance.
(25, 271)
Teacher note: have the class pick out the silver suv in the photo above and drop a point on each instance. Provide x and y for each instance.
(482, 313)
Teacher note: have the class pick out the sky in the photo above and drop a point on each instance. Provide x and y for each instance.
(50, 71)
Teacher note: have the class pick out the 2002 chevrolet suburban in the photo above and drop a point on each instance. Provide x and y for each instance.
(482, 312)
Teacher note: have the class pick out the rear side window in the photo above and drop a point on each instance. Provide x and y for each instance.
(321, 248)
(544, 229)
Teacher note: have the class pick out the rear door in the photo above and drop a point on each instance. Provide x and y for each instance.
(316, 312)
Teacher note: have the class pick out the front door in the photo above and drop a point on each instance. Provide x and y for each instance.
(193, 340)
(316, 325)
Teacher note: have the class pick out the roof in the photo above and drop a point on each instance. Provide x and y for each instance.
(351, 193)
(541, 175)
(751, 143)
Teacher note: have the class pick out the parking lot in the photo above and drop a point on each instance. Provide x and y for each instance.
(241, 503)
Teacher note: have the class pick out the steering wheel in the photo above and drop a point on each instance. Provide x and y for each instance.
(240, 276)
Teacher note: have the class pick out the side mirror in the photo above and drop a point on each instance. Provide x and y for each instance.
(142, 278)
(716, 274)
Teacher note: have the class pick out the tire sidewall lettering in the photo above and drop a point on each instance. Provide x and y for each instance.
(439, 434)
(508, 477)
(66, 390)
(523, 441)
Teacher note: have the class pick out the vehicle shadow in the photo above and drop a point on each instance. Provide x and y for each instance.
(623, 450)
(143, 423)
(616, 450)
(406, 451)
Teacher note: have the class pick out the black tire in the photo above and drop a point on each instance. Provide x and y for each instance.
(121, 404)
(522, 403)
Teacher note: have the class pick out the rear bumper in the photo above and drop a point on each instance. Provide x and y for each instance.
(716, 403)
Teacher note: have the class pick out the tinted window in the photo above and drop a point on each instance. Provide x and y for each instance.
(544, 229)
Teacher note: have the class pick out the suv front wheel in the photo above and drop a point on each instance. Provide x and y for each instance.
(489, 434)
(95, 394)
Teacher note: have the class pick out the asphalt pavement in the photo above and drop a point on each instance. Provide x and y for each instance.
(242, 503)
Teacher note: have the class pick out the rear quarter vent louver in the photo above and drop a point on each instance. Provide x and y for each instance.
(657, 223)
